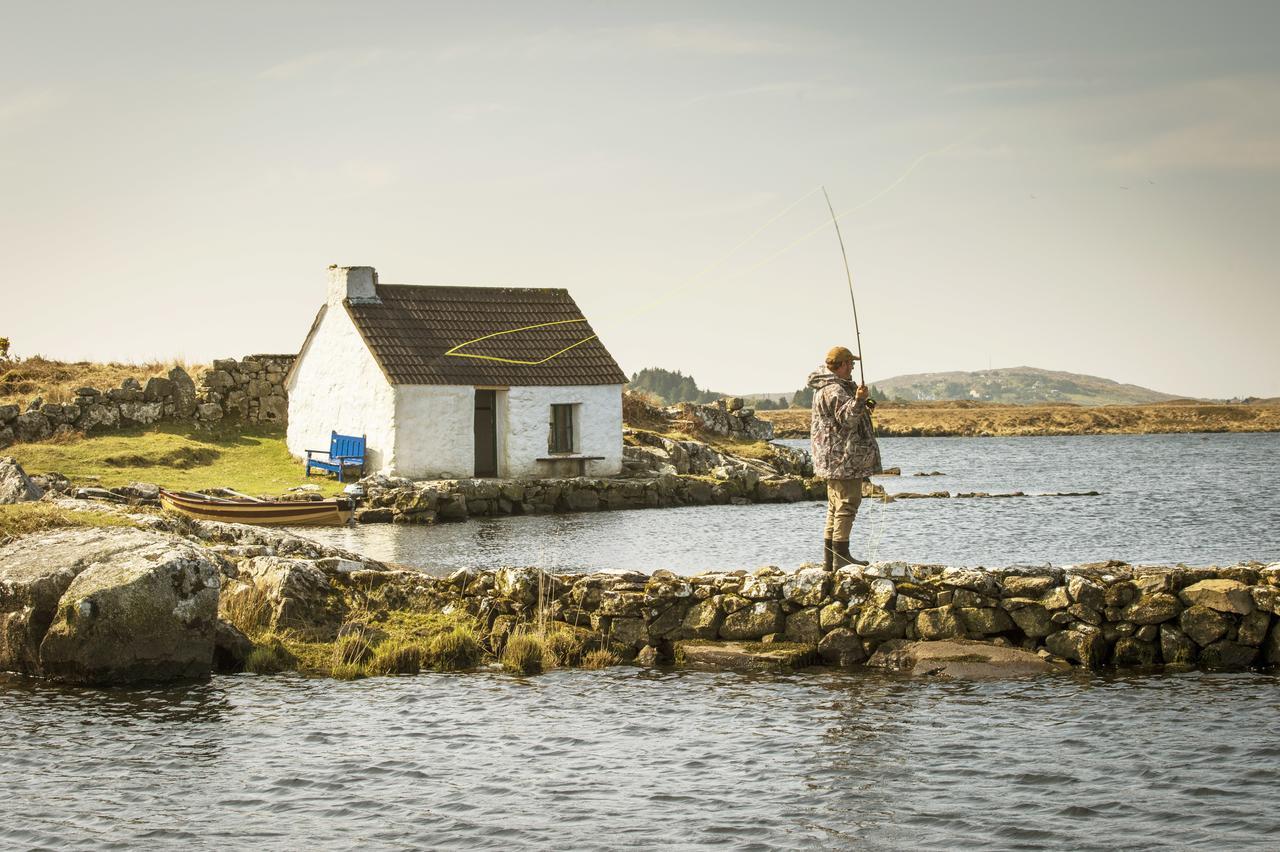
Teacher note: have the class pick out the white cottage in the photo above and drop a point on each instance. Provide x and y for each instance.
(453, 382)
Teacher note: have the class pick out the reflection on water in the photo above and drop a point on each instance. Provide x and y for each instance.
(1199, 499)
(578, 759)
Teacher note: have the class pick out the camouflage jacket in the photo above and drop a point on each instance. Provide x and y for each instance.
(844, 445)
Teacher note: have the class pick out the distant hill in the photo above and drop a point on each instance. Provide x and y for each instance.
(1019, 385)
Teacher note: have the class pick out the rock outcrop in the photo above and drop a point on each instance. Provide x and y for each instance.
(102, 606)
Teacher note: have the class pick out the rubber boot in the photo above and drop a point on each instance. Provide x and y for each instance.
(828, 554)
(843, 557)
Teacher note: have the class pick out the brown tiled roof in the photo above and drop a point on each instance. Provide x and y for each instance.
(411, 328)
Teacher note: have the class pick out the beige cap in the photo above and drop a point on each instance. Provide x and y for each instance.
(838, 355)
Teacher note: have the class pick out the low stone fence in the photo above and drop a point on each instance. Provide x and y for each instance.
(1091, 615)
(249, 390)
(392, 500)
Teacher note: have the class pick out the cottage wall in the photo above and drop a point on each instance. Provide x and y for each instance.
(337, 386)
(598, 428)
(436, 438)
(436, 435)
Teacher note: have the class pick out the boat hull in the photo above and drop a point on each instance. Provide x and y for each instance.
(268, 513)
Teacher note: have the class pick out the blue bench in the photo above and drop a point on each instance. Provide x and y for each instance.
(345, 452)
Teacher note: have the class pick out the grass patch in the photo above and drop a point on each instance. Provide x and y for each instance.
(563, 646)
(56, 381)
(250, 458)
(245, 605)
(525, 652)
(25, 518)
(397, 656)
(600, 659)
(270, 657)
(348, 671)
(352, 649)
(455, 648)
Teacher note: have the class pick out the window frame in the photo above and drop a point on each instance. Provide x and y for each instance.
(563, 425)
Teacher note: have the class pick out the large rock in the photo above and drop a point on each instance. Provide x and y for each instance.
(1153, 609)
(1131, 651)
(34, 573)
(781, 656)
(1176, 647)
(32, 426)
(294, 595)
(1088, 649)
(807, 587)
(753, 622)
(15, 486)
(1221, 595)
(875, 623)
(841, 647)
(184, 393)
(149, 614)
(959, 658)
(702, 621)
(1031, 618)
(984, 621)
(938, 623)
(1204, 625)
(803, 626)
(1225, 654)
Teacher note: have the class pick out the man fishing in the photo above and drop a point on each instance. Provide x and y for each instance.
(845, 451)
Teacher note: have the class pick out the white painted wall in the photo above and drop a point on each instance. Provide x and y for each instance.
(436, 439)
(598, 428)
(336, 385)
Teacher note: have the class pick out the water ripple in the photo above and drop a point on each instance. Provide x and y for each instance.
(585, 760)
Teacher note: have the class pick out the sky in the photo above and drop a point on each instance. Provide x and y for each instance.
(1091, 187)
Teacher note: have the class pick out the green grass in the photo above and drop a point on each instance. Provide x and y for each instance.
(252, 459)
(26, 518)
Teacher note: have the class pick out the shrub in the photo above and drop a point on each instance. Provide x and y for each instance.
(397, 656)
(454, 648)
(600, 659)
(270, 657)
(524, 653)
(246, 606)
(564, 646)
(351, 649)
(347, 671)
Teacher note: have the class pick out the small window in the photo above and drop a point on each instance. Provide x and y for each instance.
(562, 428)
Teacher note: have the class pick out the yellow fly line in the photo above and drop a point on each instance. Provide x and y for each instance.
(456, 354)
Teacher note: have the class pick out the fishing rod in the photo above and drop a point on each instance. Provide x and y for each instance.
(848, 274)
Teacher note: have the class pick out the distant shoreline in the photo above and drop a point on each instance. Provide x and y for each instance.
(987, 420)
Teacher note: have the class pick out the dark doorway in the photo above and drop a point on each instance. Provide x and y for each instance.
(486, 433)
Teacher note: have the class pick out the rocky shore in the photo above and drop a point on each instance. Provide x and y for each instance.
(174, 598)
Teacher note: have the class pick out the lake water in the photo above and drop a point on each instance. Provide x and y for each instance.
(628, 758)
(1165, 499)
(634, 758)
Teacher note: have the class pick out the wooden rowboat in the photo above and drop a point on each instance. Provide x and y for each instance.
(203, 507)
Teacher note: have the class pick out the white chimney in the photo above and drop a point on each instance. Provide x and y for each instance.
(357, 283)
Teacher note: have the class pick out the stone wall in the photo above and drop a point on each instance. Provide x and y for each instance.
(250, 390)
(1090, 615)
(394, 500)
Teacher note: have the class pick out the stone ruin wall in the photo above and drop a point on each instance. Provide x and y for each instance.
(248, 390)
(1091, 615)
